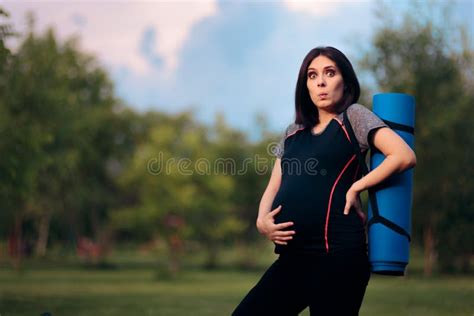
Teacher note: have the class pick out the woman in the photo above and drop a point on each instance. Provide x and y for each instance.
(311, 207)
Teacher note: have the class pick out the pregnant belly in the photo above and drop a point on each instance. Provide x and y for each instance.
(305, 209)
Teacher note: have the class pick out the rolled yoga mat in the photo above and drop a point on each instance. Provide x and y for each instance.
(390, 202)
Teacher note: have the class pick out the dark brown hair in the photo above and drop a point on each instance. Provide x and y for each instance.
(306, 112)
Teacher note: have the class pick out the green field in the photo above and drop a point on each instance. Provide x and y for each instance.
(135, 290)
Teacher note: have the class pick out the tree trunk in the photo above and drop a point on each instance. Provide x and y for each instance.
(246, 259)
(175, 245)
(43, 234)
(430, 249)
(16, 243)
(212, 256)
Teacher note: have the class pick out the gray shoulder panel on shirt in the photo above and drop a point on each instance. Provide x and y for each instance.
(292, 128)
(280, 146)
(363, 121)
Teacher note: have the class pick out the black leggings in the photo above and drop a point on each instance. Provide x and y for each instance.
(329, 285)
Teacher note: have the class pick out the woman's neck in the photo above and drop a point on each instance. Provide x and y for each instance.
(325, 117)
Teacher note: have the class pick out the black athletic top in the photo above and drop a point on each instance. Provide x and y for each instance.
(317, 171)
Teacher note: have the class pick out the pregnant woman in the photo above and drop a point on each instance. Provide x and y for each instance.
(311, 208)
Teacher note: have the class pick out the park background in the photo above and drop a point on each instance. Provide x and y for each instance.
(96, 96)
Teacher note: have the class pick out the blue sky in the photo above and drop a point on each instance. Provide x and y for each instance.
(236, 58)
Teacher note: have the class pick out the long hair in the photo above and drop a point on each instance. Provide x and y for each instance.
(306, 112)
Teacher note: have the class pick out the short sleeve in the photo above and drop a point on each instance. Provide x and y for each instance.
(364, 122)
(279, 148)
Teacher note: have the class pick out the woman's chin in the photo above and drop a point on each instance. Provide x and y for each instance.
(325, 104)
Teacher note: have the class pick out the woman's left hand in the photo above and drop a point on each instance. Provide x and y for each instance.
(353, 201)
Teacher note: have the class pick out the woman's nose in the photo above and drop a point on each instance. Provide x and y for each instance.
(320, 82)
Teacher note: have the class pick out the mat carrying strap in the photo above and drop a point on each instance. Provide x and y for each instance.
(376, 217)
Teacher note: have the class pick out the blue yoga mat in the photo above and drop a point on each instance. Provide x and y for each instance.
(389, 232)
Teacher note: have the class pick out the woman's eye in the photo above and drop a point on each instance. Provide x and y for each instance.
(330, 73)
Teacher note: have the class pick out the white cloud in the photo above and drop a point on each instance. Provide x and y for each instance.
(318, 7)
(112, 30)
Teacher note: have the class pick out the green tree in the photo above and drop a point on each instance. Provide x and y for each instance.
(174, 193)
(6, 31)
(63, 136)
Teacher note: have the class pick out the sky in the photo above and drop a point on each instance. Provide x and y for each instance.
(238, 58)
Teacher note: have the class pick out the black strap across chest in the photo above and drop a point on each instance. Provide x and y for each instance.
(376, 218)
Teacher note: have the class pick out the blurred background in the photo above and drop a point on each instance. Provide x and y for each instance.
(136, 142)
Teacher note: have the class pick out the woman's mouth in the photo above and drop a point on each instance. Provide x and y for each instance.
(323, 95)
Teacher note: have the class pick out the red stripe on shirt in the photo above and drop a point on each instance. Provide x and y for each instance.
(330, 201)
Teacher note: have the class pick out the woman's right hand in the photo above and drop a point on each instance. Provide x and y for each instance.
(272, 231)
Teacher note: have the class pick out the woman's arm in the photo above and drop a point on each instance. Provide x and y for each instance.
(398, 157)
(270, 192)
(265, 221)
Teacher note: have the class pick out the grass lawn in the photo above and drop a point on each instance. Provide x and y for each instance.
(132, 290)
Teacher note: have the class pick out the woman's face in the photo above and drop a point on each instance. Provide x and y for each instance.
(325, 83)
